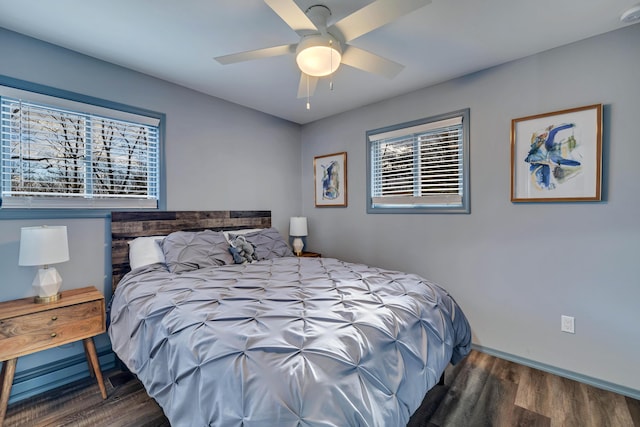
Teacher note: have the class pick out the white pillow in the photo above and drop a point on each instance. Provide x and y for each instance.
(145, 251)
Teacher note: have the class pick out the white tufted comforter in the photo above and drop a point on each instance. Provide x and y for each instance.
(286, 342)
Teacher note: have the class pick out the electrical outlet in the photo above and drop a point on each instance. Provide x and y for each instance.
(567, 324)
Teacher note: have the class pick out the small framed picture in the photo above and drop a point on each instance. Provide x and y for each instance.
(557, 157)
(330, 179)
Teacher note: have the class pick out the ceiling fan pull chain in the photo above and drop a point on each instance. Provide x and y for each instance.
(331, 64)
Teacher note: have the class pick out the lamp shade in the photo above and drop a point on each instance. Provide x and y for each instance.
(43, 245)
(298, 226)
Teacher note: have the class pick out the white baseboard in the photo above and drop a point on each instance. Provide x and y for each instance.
(605, 385)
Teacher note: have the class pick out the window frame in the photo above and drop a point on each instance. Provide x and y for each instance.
(86, 212)
(462, 208)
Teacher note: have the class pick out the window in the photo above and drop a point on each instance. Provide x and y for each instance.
(60, 153)
(420, 166)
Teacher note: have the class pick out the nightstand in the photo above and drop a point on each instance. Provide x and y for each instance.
(310, 255)
(27, 327)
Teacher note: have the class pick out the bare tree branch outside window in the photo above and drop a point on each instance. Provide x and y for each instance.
(66, 154)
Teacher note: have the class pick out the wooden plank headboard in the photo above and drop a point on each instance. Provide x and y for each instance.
(126, 226)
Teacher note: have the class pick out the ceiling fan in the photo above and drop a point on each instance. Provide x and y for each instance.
(322, 49)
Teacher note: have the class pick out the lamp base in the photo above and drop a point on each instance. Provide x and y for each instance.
(47, 285)
(47, 300)
(297, 244)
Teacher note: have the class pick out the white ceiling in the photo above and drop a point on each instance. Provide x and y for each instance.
(177, 40)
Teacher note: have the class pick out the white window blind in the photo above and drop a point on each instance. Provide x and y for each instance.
(56, 157)
(418, 165)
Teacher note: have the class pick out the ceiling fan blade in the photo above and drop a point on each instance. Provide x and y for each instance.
(375, 15)
(256, 54)
(291, 14)
(302, 86)
(370, 62)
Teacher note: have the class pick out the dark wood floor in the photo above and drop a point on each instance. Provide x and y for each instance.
(487, 391)
(481, 391)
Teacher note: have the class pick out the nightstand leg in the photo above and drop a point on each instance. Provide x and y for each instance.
(92, 368)
(8, 371)
(94, 364)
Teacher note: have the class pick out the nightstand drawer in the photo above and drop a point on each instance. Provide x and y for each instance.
(48, 319)
(32, 332)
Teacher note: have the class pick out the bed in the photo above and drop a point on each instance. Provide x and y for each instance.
(280, 341)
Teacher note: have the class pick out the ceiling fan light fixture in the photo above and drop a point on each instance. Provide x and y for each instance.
(318, 55)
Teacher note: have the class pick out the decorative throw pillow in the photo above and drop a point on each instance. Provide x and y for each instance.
(268, 243)
(188, 250)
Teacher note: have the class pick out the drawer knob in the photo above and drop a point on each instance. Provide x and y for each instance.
(54, 318)
(53, 334)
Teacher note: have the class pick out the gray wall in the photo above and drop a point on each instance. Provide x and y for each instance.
(514, 268)
(218, 156)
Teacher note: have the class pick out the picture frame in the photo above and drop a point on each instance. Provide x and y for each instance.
(557, 156)
(330, 180)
